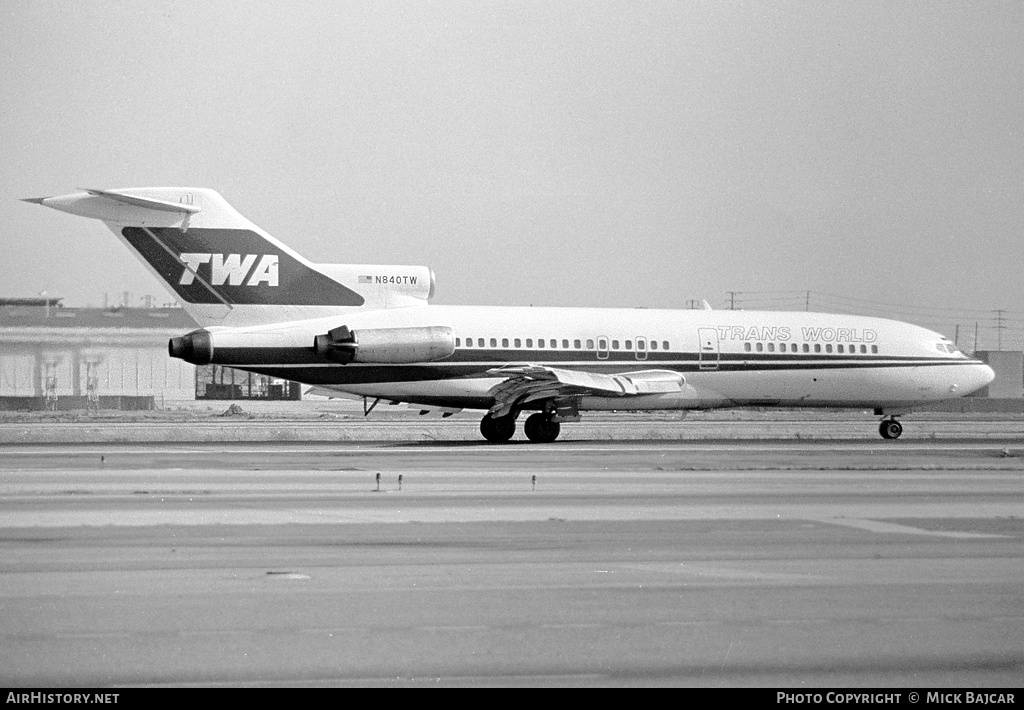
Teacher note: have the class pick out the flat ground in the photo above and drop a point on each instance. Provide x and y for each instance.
(747, 556)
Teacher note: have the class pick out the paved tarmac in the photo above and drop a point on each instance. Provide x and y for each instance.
(625, 563)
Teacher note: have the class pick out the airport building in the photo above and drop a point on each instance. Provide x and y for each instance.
(1009, 368)
(52, 357)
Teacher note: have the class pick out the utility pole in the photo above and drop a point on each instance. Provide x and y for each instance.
(807, 304)
(732, 300)
(1000, 325)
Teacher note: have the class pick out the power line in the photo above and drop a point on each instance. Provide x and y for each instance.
(999, 328)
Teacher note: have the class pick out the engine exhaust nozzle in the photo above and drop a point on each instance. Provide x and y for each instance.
(195, 347)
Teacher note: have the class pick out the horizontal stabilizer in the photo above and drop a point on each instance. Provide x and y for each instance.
(147, 202)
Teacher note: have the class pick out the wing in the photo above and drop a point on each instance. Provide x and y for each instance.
(333, 393)
(529, 383)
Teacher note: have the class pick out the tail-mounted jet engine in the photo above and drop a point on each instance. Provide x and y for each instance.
(195, 347)
(386, 345)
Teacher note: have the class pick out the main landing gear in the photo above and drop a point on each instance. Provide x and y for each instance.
(890, 428)
(538, 428)
(498, 429)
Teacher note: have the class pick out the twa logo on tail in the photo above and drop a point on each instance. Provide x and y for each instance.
(231, 269)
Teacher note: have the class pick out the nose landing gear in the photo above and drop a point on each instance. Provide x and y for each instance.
(890, 428)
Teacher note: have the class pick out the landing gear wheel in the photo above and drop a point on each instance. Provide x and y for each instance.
(890, 429)
(498, 429)
(541, 429)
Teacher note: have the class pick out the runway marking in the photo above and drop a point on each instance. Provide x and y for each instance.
(721, 572)
(849, 515)
(565, 449)
(892, 528)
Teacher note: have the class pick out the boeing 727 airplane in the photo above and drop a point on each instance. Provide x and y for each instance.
(368, 331)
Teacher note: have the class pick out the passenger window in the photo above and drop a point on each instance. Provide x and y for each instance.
(746, 347)
(771, 347)
(817, 347)
(874, 349)
(792, 347)
(518, 343)
(629, 345)
(565, 344)
(590, 344)
(640, 345)
(828, 348)
(504, 342)
(494, 342)
(664, 345)
(529, 342)
(457, 342)
(839, 348)
(615, 345)
(602, 344)
(654, 345)
(760, 347)
(480, 342)
(577, 344)
(807, 348)
(863, 349)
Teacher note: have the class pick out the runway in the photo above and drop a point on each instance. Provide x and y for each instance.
(581, 563)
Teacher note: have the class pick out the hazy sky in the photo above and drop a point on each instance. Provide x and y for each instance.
(553, 153)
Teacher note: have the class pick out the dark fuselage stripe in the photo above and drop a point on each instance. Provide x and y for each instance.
(244, 357)
(368, 373)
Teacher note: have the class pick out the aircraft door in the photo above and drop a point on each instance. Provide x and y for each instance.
(641, 347)
(709, 352)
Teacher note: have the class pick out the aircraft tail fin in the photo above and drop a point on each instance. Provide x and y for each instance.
(227, 271)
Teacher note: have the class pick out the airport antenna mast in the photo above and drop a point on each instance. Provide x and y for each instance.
(1000, 326)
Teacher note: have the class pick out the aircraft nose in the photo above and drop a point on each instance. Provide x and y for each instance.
(980, 375)
(987, 374)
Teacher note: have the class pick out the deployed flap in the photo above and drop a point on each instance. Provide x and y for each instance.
(528, 383)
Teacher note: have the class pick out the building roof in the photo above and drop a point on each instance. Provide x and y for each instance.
(39, 316)
(33, 301)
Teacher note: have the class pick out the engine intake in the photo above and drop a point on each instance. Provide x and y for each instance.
(386, 345)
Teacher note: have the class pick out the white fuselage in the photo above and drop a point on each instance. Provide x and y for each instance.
(728, 358)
